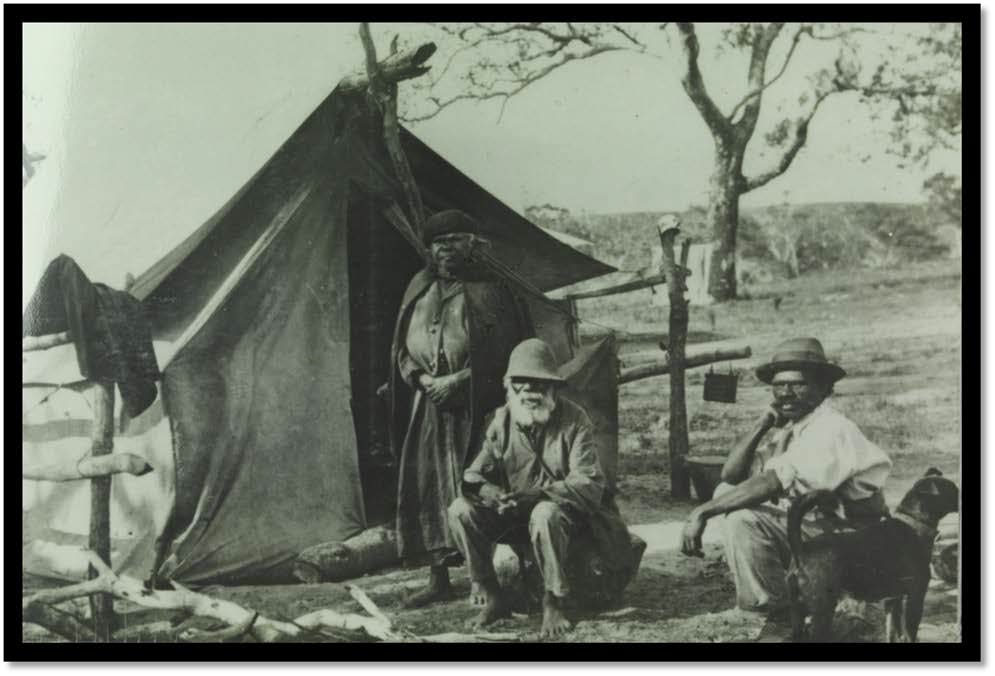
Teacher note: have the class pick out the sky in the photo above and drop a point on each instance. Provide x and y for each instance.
(149, 128)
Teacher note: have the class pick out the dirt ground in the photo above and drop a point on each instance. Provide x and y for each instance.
(897, 332)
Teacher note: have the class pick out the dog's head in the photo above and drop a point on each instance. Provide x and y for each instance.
(932, 497)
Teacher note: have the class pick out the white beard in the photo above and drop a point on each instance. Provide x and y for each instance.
(528, 415)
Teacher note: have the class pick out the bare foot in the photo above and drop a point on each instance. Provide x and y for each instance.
(495, 607)
(438, 589)
(554, 622)
(477, 595)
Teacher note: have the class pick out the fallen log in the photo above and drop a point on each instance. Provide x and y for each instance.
(371, 550)
(89, 467)
(395, 68)
(662, 367)
(32, 343)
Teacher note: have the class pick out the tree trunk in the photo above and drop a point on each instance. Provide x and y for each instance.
(725, 188)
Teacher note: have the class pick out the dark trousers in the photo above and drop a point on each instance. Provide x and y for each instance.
(549, 528)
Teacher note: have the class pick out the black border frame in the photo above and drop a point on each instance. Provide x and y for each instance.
(967, 651)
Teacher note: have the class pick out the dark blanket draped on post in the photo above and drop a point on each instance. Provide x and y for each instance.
(108, 329)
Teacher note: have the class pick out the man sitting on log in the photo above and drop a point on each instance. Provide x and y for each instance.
(537, 480)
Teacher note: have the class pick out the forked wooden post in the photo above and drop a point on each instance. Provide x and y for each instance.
(384, 92)
(680, 485)
(101, 605)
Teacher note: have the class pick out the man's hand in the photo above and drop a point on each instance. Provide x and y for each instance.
(384, 391)
(491, 495)
(425, 381)
(442, 388)
(772, 417)
(521, 501)
(691, 536)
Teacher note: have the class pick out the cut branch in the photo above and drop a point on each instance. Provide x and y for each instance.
(395, 68)
(694, 84)
(32, 343)
(89, 467)
(260, 627)
(662, 367)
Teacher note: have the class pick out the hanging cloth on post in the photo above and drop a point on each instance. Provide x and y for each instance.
(108, 329)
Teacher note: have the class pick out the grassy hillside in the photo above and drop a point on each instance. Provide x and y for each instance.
(823, 236)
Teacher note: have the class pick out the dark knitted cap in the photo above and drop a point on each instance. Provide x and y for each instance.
(447, 222)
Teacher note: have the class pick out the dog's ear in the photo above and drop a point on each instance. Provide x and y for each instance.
(932, 471)
(927, 487)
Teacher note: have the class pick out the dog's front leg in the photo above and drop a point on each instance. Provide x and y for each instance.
(895, 620)
(913, 611)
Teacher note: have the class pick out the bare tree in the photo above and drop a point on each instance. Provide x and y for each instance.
(913, 76)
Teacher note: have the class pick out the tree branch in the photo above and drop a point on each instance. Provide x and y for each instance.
(784, 66)
(520, 85)
(755, 79)
(627, 35)
(694, 85)
(801, 136)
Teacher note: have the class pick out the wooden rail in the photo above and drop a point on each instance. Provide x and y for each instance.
(634, 285)
(661, 367)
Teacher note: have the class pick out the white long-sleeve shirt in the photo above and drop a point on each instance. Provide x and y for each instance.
(824, 450)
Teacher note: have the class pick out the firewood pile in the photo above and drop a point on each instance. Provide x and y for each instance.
(53, 609)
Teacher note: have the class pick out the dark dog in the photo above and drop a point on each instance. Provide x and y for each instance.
(889, 560)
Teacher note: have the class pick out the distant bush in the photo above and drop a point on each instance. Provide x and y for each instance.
(779, 241)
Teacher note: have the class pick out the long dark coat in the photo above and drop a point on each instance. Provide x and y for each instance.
(498, 320)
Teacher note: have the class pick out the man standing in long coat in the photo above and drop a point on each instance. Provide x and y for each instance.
(455, 329)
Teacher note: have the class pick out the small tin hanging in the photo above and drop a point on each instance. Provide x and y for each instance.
(721, 387)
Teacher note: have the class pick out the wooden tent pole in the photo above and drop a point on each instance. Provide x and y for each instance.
(680, 485)
(101, 605)
(384, 93)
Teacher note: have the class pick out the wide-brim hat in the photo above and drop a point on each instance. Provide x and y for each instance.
(533, 359)
(447, 222)
(800, 354)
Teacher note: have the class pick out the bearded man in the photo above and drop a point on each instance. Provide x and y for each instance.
(813, 446)
(454, 332)
(536, 480)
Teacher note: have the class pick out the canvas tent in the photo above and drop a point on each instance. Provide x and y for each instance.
(271, 325)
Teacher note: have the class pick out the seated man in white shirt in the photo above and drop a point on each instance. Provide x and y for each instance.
(814, 447)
